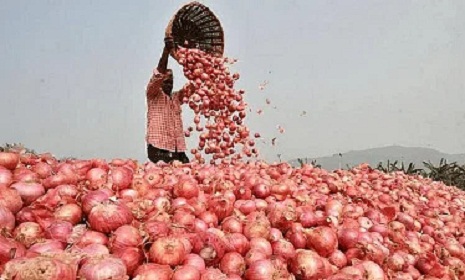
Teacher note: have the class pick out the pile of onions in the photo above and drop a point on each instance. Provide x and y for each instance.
(240, 221)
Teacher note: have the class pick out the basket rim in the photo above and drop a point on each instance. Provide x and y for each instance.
(168, 29)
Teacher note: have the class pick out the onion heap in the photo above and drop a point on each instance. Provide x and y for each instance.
(245, 220)
(223, 108)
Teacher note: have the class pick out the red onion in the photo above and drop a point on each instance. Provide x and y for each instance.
(47, 246)
(231, 225)
(10, 249)
(59, 179)
(92, 237)
(151, 271)
(187, 188)
(156, 229)
(128, 194)
(254, 255)
(248, 207)
(196, 261)
(28, 233)
(210, 247)
(153, 178)
(307, 265)
(67, 190)
(297, 237)
(186, 272)
(92, 250)
(372, 270)
(262, 244)
(262, 270)
(347, 238)
(429, 264)
(125, 236)
(232, 264)
(275, 234)
(59, 230)
(221, 206)
(97, 177)
(257, 225)
(51, 268)
(9, 160)
(107, 267)
(338, 259)
(237, 242)
(167, 250)
(109, 216)
(209, 218)
(92, 199)
(7, 219)
(29, 192)
(132, 258)
(121, 178)
(70, 213)
(22, 174)
(283, 249)
(213, 274)
(396, 262)
(323, 240)
(200, 226)
(6, 177)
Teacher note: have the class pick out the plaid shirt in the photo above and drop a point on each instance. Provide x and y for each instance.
(164, 124)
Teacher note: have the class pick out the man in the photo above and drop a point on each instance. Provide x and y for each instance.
(165, 134)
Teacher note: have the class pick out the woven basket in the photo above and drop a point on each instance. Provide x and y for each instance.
(195, 26)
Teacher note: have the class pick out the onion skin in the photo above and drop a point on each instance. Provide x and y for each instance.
(151, 271)
(261, 270)
(92, 237)
(92, 199)
(92, 250)
(53, 268)
(108, 217)
(195, 261)
(212, 274)
(132, 258)
(29, 192)
(283, 249)
(6, 178)
(232, 264)
(59, 230)
(167, 251)
(10, 249)
(107, 267)
(125, 236)
(47, 246)
(323, 240)
(121, 178)
(9, 160)
(69, 213)
(307, 265)
(28, 233)
(186, 272)
(11, 200)
(7, 220)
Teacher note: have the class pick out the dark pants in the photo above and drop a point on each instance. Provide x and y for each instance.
(156, 154)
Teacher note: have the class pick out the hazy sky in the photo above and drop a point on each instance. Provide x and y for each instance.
(367, 73)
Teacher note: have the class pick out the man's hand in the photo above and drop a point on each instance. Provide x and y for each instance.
(167, 50)
(169, 44)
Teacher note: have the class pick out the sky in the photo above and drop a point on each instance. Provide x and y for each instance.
(367, 73)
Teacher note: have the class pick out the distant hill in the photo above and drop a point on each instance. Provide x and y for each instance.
(392, 153)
